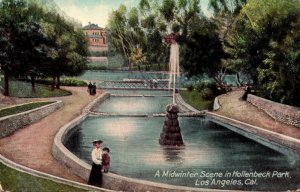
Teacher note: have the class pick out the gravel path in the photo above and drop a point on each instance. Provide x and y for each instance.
(32, 145)
(232, 106)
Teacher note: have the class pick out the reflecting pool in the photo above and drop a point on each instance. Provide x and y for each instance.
(134, 105)
(139, 92)
(99, 75)
(209, 148)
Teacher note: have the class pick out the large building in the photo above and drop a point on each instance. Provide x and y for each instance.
(96, 37)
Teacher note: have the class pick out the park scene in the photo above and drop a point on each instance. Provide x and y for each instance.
(146, 95)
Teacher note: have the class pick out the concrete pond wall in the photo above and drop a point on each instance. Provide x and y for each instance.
(284, 113)
(112, 181)
(281, 143)
(11, 123)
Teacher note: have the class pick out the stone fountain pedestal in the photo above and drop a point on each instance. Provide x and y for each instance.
(171, 134)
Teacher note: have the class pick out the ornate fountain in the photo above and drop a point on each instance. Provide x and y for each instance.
(171, 134)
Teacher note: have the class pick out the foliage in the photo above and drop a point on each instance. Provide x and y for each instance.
(73, 82)
(190, 88)
(98, 53)
(22, 108)
(38, 42)
(68, 81)
(68, 52)
(137, 56)
(144, 28)
(265, 44)
(203, 52)
(227, 7)
(207, 94)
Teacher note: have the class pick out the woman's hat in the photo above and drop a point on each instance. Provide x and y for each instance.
(97, 141)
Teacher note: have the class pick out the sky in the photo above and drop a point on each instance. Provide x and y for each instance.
(97, 11)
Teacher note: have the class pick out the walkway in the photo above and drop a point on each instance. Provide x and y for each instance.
(31, 146)
(232, 106)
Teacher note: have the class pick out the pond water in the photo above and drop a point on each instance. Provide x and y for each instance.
(131, 92)
(97, 75)
(209, 147)
(134, 105)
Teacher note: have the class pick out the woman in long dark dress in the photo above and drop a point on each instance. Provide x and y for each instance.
(96, 171)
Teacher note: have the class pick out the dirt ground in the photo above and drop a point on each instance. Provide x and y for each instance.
(232, 106)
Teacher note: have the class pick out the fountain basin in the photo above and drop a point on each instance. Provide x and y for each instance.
(135, 154)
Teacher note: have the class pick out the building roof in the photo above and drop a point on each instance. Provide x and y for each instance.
(92, 26)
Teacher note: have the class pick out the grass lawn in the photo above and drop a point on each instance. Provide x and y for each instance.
(23, 89)
(194, 99)
(21, 108)
(12, 180)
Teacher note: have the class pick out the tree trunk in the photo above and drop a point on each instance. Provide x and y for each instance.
(53, 82)
(58, 82)
(239, 83)
(6, 83)
(32, 78)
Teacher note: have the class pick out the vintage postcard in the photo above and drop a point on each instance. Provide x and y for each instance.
(145, 95)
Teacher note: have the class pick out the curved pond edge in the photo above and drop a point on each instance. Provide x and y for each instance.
(11, 123)
(279, 142)
(284, 144)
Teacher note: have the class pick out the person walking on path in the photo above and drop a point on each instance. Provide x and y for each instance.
(96, 171)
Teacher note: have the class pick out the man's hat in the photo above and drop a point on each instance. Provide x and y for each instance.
(97, 141)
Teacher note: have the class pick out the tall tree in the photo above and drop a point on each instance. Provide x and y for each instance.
(265, 44)
(31, 43)
(12, 19)
(67, 50)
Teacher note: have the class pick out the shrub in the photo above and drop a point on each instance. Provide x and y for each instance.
(207, 93)
(92, 67)
(190, 88)
(204, 84)
(73, 82)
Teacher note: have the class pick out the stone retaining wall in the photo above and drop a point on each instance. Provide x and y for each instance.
(11, 123)
(282, 143)
(284, 113)
(216, 105)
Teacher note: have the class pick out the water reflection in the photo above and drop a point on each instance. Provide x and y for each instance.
(134, 105)
(135, 151)
(174, 155)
